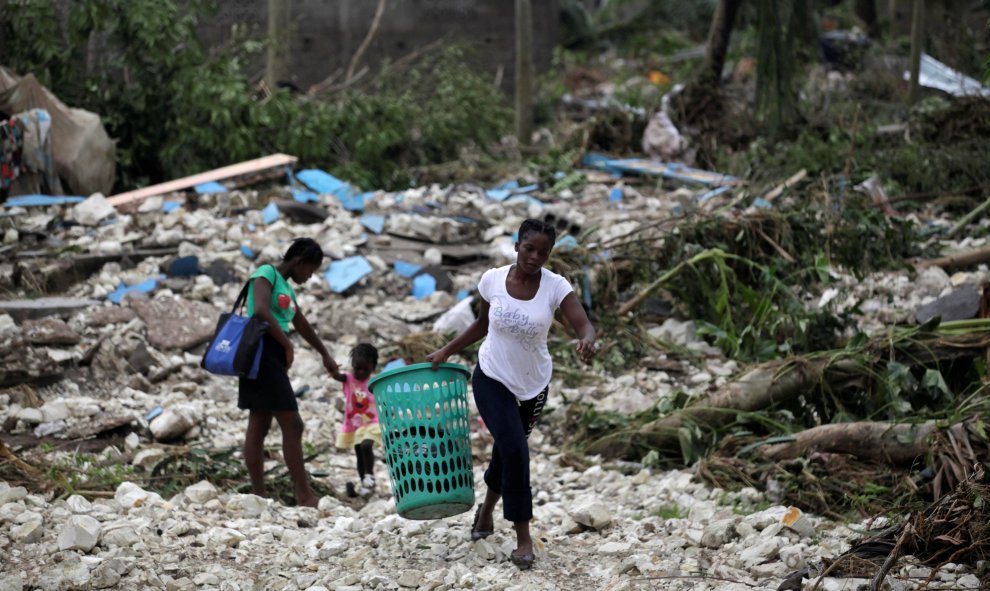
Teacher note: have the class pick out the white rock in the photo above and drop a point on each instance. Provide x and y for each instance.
(761, 550)
(248, 505)
(719, 533)
(433, 256)
(174, 422)
(130, 495)
(78, 504)
(28, 532)
(93, 210)
(12, 494)
(80, 532)
(592, 514)
(201, 492)
(410, 579)
(147, 458)
(31, 416)
(132, 442)
(104, 576)
(225, 536)
(55, 410)
(615, 548)
(121, 535)
(969, 581)
(11, 582)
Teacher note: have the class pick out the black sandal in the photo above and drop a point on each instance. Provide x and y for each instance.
(477, 534)
(523, 561)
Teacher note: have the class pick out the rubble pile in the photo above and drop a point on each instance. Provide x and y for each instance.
(116, 352)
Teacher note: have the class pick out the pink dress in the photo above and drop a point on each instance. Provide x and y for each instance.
(360, 415)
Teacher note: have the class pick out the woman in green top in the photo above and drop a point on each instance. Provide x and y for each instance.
(270, 395)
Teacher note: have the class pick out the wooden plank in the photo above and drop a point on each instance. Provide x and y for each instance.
(795, 179)
(218, 174)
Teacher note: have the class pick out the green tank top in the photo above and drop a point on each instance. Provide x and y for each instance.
(283, 296)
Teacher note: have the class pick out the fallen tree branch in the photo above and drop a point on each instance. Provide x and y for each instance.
(375, 23)
(8, 455)
(960, 259)
(894, 443)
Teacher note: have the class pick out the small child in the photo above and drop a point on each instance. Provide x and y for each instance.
(360, 428)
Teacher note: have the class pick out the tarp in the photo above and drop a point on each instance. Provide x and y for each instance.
(84, 153)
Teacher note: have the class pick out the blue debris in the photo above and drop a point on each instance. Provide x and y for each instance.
(40, 200)
(671, 170)
(270, 213)
(344, 273)
(184, 266)
(304, 196)
(526, 189)
(146, 286)
(406, 269)
(508, 186)
(615, 195)
(586, 287)
(247, 252)
(394, 364)
(761, 203)
(499, 194)
(323, 182)
(423, 285)
(211, 187)
(170, 206)
(566, 243)
(374, 222)
(559, 174)
(462, 293)
(355, 202)
(713, 193)
(153, 413)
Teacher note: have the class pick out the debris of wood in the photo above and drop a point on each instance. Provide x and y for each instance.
(219, 174)
(790, 182)
(41, 307)
(898, 444)
(957, 260)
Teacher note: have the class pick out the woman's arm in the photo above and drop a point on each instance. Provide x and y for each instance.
(309, 335)
(582, 326)
(473, 334)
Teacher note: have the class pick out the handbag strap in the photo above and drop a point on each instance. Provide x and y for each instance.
(241, 300)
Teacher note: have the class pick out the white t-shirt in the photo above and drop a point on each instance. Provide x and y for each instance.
(515, 350)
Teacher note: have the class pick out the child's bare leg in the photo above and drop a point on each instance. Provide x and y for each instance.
(259, 421)
(486, 519)
(292, 429)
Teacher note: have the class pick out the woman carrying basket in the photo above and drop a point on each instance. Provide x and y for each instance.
(512, 378)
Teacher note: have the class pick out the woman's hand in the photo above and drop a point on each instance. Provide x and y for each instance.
(587, 349)
(331, 366)
(437, 357)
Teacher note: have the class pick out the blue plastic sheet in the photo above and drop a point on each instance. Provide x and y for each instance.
(615, 195)
(303, 196)
(323, 182)
(40, 200)
(406, 269)
(344, 273)
(423, 285)
(566, 243)
(462, 293)
(170, 206)
(247, 252)
(270, 213)
(394, 364)
(374, 222)
(146, 286)
(211, 187)
(670, 170)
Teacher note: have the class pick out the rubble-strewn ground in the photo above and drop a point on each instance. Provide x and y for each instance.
(94, 367)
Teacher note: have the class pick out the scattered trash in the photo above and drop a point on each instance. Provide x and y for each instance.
(146, 286)
(935, 74)
(373, 222)
(662, 140)
(344, 273)
(406, 269)
(40, 201)
(423, 285)
(184, 267)
(247, 252)
(668, 170)
(960, 304)
(270, 213)
(457, 319)
(210, 187)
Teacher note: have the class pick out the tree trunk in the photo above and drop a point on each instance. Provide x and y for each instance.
(719, 36)
(277, 62)
(897, 444)
(524, 71)
(772, 383)
(866, 10)
(917, 40)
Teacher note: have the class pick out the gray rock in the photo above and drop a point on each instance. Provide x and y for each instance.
(592, 514)
(719, 533)
(176, 324)
(28, 532)
(92, 211)
(11, 582)
(201, 492)
(41, 307)
(49, 331)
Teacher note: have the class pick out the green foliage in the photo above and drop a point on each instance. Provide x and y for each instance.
(176, 109)
(80, 471)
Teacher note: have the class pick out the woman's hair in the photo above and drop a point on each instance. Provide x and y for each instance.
(366, 352)
(539, 227)
(305, 250)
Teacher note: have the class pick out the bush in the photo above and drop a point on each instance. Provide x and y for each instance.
(176, 109)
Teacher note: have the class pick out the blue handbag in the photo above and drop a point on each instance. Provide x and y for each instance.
(237, 346)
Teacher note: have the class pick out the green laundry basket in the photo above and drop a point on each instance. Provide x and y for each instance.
(423, 416)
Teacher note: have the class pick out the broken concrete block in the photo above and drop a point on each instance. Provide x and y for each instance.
(49, 331)
(110, 315)
(201, 492)
(93, 210)
(593, 514)
(176, 323)
(174, 422)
